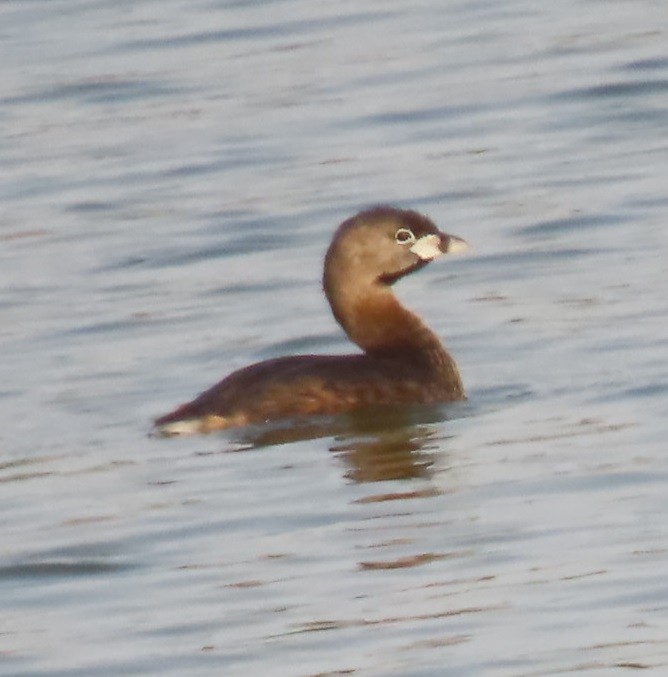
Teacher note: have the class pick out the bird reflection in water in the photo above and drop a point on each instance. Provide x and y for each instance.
(387, 443)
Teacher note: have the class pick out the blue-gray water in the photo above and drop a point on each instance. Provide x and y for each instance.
(170, 176)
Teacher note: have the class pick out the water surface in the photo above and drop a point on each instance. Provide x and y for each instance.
(171, 175)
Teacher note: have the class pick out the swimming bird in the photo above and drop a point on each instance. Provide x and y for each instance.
(402, 360)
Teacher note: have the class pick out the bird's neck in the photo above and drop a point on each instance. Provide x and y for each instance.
(374, 319)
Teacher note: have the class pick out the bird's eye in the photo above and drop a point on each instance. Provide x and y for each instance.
(404, 236)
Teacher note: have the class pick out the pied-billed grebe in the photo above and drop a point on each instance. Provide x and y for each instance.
(403, 361)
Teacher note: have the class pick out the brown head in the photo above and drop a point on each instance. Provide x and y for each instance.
(369, 253)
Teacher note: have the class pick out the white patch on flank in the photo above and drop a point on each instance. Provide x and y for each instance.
(427, 247)
(191, 426)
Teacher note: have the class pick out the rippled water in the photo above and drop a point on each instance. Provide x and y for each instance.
(171, 175)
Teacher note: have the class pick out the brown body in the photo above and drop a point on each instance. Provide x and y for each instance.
(403, 361)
